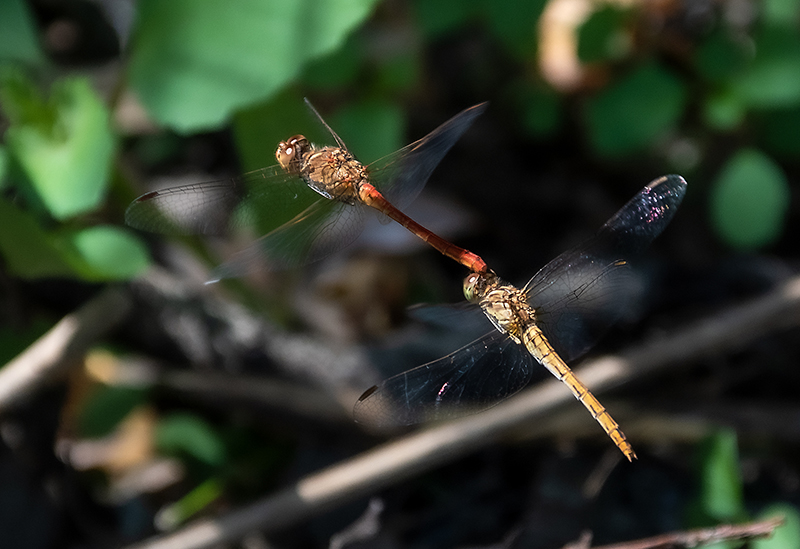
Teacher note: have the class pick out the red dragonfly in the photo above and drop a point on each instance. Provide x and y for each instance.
(326, 226)
(556, 317)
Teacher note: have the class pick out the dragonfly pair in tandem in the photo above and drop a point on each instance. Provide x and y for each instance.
(555, 317)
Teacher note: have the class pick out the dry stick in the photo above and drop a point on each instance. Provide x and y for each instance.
(71, 337)
(398, 460)
(703, 536)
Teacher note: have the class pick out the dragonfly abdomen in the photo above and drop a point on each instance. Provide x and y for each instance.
(537, 344)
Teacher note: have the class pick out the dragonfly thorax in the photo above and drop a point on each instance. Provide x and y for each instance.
(334, 173)
(505, 305)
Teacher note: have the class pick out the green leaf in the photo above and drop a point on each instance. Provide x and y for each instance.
(109, 253)
(773, 78)
(437, 17)
(603, 36)
(780, 133)
(721, 492)
(194, 62)
(786, 536)
(371, 129)
(514, 23)
(540, 109)
(633, 112)
(780, 12)
(27, 250)
(64, 145)
(721, 56)
(19, 42)
(186, 433)
(749, 200)
(723, 111)
(106, 407)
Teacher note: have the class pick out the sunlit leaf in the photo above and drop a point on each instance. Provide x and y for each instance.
(786, 536)
(110, 253)
(19, 34)
(64, 144)
(749, 200)
(194, 62)
(189, 434)
(780, 12)
(634, 111)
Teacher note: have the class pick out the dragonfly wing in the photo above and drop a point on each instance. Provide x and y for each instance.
(472, 379)
(320, 230)
(579, 294)
(318, 116)
(218, 207)
(401, 175)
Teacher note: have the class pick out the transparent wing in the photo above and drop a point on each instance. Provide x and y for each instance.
(579, 294)
(259, 200)
(322, 229)
(401, 175)
(472, 379)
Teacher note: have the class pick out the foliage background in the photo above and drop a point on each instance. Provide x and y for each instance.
(589, 102)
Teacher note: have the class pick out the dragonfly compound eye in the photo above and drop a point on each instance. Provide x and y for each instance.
(470, 285)
(288, 153)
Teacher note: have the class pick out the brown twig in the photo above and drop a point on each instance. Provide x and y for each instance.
(398, 460)
(703, 536)
(57, 349)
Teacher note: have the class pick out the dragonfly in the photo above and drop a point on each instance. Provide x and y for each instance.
(347, 188)
(556, 317)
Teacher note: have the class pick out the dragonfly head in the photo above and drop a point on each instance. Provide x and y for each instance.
(289, 153)
(477, 284)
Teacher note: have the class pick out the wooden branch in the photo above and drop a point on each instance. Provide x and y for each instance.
(398, 460)
(703, 536)
(50, 355)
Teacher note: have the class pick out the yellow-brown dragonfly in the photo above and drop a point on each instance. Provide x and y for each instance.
(557, 316)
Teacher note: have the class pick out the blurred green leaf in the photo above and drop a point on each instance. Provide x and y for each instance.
(27, 250)
(773, 78)
(786, 536)
(19, 34)
(3, 166)
(189, 434)
(371, 129)
(780, 131)
(720, 56)
(780, 12)
(749, 200)
(193, 62)
(540, 109)
(436, 17)
(337, 69)
(723, 111)
(174, 514)
(106, 407)
(514, 23)
(721, 492)
(63, 144)
(603, 36)
(633, 112)
(109, 253)
(398, 74)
